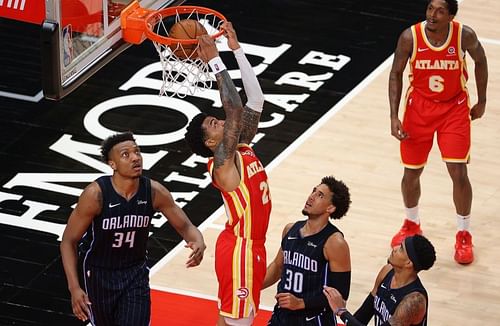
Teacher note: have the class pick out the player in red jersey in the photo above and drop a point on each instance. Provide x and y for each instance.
(437, 101)
(240, 256)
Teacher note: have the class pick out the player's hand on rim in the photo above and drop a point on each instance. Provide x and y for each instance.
(80, 303)
(207, 49)
(230, 34)
(196, 255)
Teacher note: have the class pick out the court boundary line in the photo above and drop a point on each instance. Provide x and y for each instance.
(35, 98)
(285, 153)
(489, 41)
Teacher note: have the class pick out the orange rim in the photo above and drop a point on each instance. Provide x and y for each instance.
(152, 19)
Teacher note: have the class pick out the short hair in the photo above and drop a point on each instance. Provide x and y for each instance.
(195, 136)
(108, 143)
(341, 197)
(452, 6)
(424, 251)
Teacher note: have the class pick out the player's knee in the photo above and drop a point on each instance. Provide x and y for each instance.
(247, 321)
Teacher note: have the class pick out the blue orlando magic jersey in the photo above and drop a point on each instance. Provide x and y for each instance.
(388, 299)
(117, 238)
(305, 268)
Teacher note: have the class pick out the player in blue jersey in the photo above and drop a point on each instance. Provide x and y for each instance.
(313, 253)
(398, 297)
(114, 215)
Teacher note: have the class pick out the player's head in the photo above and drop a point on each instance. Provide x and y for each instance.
(420, 251)
(331, 196)
(440, 13)
(121, 152)
(452, 5)
(204, 132)
(416, 252)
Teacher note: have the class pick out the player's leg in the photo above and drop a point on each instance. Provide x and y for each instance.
(101, 295)
(414, 153)
(454, 143)
(236, 271)
(134, 308)
(228, 321)
(462, 189)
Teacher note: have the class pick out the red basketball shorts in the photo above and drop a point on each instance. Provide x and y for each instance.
(449, 120)
(240, 265)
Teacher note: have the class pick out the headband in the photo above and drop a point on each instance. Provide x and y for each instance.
(412, 254)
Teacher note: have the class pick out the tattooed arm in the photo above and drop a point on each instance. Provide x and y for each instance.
(255, 102)
(226, 173)
(410, 311)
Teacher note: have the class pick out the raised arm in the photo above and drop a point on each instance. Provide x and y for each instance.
(471, 44)
(226, 172)
(401, 56)
(163, 202)
(88, 206)
(255, 97)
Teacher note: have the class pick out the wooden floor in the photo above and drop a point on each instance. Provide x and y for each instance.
(353, 143)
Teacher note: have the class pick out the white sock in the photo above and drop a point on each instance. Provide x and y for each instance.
(412, 214)
(463, 222)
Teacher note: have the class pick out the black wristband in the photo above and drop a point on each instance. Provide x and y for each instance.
(350, 320)
(367, 309)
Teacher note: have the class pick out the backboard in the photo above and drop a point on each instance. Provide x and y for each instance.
(78, 37)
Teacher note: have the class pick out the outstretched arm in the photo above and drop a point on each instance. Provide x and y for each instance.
(226, 173)
(403, 52)
(365, 312)
(471, 44)
(163, 202)
(255, 97)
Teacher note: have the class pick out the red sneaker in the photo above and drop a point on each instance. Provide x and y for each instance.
(463, 248)
(408, 229)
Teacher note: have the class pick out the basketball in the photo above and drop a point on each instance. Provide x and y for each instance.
(185, 29)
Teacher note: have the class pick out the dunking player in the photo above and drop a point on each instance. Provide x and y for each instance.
(240, 256)
(398, 297)
(437, 102)
(313, 253)
(115, 212)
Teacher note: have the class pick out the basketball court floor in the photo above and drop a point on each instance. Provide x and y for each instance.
(337, 124)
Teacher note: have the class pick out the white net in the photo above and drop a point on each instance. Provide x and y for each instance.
(181, 76)
(183, 72)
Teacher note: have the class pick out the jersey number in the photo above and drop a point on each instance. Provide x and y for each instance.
(436, 83)
(293, 281)
(119, 239)
(265, 192)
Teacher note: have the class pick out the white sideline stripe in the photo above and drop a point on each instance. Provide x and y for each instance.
(22, 97)
(292, 147)
(489, 41)
(197, 295)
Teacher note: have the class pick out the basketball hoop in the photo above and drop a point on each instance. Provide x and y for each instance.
(183, 72)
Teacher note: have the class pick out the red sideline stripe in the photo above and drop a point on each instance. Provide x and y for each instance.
(182, 310)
